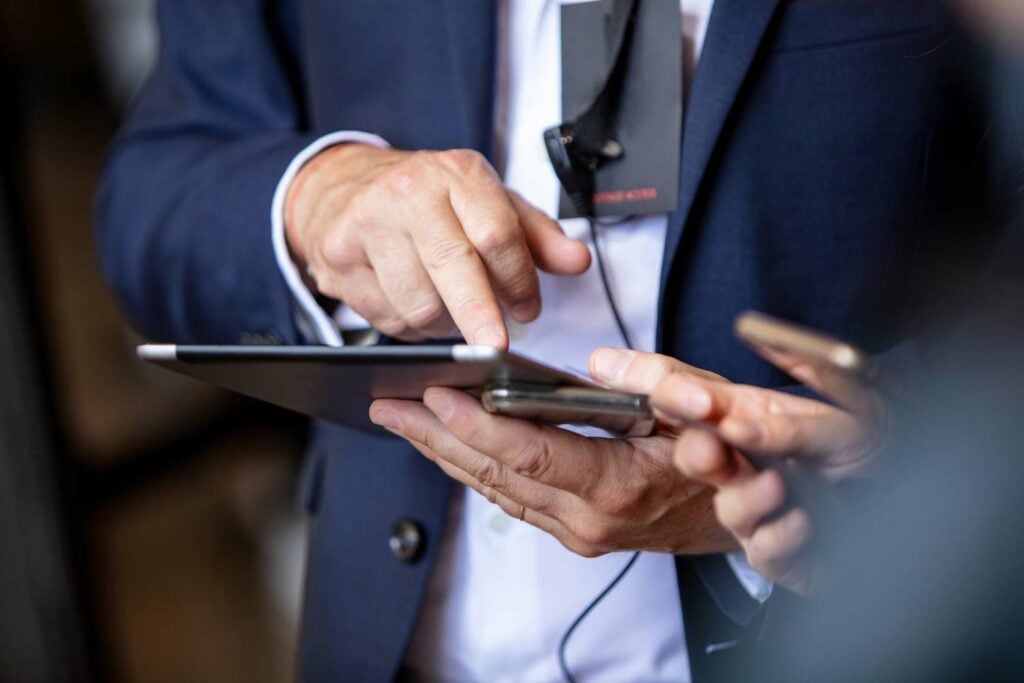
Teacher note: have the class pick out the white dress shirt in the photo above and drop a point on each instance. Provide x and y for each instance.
(504, 592)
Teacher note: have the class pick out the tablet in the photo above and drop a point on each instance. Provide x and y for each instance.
(338, 384)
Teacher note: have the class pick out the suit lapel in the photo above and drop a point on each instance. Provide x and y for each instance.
(734, 36)
(472, 27)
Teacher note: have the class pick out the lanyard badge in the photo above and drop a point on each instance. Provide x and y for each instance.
(622, 84)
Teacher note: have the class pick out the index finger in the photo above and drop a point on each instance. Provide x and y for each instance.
(460, 277)
(492, 226)
(690, 398)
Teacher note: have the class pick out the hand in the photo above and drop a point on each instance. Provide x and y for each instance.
(835, 442)
(594, 495)
(423, 243)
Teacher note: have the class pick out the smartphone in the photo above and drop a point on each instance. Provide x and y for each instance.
(835, 368)
(616, 412)
(804, 345)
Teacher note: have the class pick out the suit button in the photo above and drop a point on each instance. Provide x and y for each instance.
(407, 540)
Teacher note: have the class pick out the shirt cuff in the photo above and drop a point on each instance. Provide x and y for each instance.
(758, 587)
(314, 320)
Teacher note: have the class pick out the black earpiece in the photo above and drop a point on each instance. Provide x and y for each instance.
(578, 148)
(575, 174)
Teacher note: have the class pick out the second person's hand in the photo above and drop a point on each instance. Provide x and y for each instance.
(741, 421)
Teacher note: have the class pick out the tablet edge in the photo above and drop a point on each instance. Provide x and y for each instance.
(157, 352)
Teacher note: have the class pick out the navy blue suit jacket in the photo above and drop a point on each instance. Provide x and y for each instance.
(828, 152)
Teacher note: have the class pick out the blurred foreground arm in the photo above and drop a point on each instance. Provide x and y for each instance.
(732, 419)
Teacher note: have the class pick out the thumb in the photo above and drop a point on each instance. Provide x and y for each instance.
(552, 251)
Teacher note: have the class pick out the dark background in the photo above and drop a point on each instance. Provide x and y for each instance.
(149, 528)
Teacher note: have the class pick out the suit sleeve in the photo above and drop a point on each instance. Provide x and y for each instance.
(183, 210)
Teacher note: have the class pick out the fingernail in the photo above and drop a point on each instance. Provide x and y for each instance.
(490, 335)
(610, 364)
(526, 312)
(388, 419)
(439, 404)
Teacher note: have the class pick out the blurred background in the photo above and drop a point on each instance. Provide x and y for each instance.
(148, 527)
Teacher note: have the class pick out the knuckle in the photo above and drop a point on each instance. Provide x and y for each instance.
(522, 286)
(339, 251)
(461, 162)
(596, 534)
(402, 181)
(362, 210)
(489, 473)
(495, 238)
(426, 314)
(443, 254)
(532, 460)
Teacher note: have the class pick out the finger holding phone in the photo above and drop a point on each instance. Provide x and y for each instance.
(752, 434)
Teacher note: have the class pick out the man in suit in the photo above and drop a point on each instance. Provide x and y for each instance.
(277, 138)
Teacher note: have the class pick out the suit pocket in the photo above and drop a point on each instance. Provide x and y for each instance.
(814, 24)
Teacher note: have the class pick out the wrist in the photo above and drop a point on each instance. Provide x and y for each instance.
(329, 168)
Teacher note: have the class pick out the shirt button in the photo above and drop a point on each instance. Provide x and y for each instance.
(407, 540)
